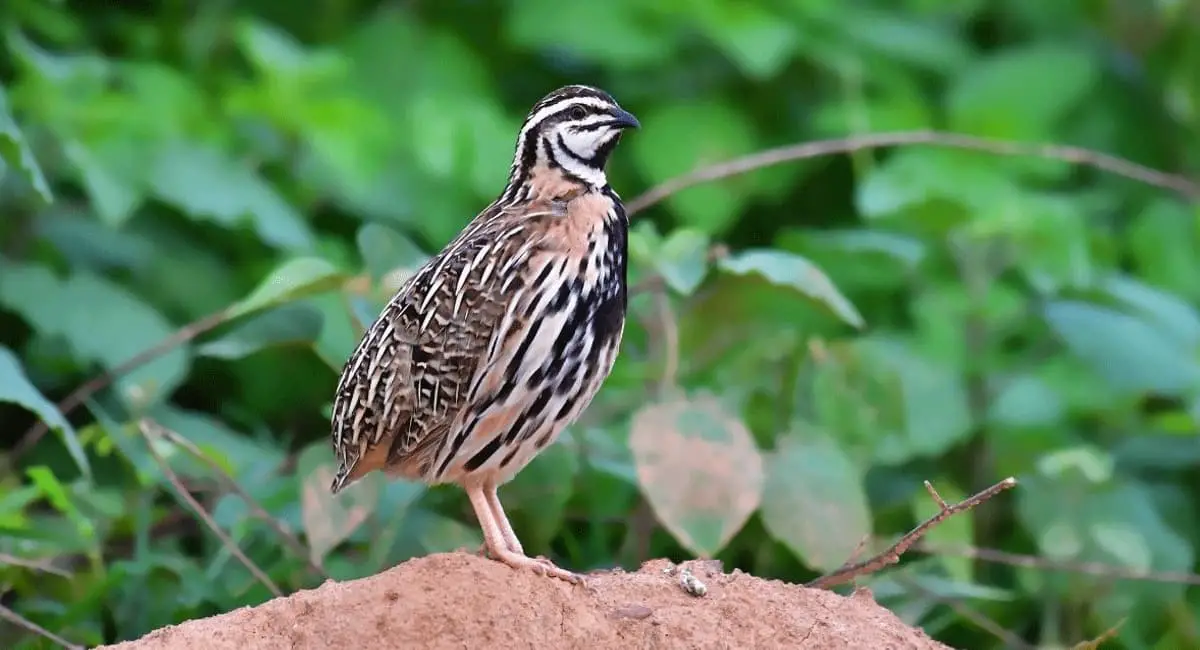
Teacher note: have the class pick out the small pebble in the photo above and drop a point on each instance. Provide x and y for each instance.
(633, 611)
(691, 584)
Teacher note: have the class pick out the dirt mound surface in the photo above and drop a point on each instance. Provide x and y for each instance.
(458, 600)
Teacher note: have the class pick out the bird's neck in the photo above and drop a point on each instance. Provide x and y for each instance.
(543, 170)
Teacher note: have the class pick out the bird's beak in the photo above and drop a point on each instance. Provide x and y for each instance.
(625, 120)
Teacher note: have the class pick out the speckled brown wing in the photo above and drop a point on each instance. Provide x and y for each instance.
(405, 383)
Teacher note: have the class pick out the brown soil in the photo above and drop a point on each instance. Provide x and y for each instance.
(458, 600)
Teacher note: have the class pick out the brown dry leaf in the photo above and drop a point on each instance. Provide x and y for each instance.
(699, 469)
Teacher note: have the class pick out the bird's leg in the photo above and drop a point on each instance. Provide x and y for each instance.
(493, 499)
(491, 489)
(493, 537)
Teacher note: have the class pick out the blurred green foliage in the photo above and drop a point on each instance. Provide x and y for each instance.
(263, 174)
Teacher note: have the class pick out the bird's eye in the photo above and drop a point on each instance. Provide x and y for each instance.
(578, 113)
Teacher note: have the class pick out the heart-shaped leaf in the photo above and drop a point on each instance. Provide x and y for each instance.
(789, 269)
(814, 501)
(699, 469)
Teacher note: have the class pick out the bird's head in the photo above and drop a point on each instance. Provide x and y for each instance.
(573, 129)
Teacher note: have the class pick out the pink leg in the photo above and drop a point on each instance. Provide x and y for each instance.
(510, 537)
(497, 546)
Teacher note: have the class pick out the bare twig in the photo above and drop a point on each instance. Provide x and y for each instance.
(289, 538)
(1109, 634)
(1098, 569)
(36, 565)
(21, 621)
(770, 157)
(891, 555)
(149, 433)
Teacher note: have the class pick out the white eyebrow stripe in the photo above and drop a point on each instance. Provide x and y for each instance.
(537, 118)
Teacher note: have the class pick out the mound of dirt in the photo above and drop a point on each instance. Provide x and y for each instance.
(458, 600)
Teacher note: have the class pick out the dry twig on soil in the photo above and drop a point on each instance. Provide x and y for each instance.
(891, 555)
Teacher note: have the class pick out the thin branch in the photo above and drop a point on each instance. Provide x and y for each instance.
(289, 538)
(1075, 155)
(149, 433)
(770, 157)
(1097, 569)
(21, 621)
(102, 380)
(35, 565)
(1109, 634)
(891, 555)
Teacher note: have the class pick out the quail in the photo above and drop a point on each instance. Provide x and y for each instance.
(500, 340)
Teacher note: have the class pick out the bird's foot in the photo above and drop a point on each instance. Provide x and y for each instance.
(484, 551)
(538, 565)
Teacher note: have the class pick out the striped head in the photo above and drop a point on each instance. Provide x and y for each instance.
(573, 129)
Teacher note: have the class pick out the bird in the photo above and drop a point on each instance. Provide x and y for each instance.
(498, 343)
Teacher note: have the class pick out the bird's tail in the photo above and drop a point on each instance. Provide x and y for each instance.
(340, 480)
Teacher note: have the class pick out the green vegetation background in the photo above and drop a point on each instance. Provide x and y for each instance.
(257, 176)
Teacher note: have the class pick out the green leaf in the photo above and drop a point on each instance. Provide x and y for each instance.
(757, 41)
(814, 501)
(443, 535)
(104, 167)
(340, 331)
(384, 250)
(934, 191)
(1164, 241)
(610, 33)
(902, 36)
(540, 493)
(242, 456)
(886, 403)
(858, 399)
(683, 260)
(1027, 401)
(1168, 312)
(1114, 522)
(1133, 355)
(667, 146)
(288, 324)
(860, 259)
(15, 388)
(935, 399)
(294, 279)
(791, 270)
(56, 493)
(205, 183)
(699, 469)
(15, 153)
(1022, 92)
(102, 322)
